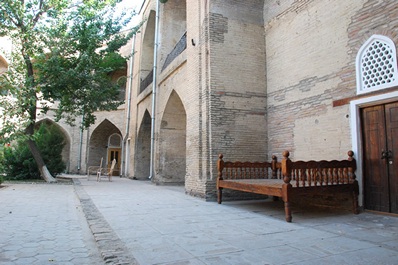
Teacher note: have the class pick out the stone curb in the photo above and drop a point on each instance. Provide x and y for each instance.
(112, 249)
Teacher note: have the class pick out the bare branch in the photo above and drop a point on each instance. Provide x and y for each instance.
(42, 9)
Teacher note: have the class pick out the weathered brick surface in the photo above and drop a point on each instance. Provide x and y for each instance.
(262, 77)
(322, 40)
(237, 83)
(256, 78)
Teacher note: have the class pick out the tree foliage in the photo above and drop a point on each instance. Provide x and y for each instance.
(63, 53)
(18, 163)
(62, 58)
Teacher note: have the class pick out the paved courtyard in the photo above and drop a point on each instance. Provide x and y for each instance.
(135, 222)
(44, 224)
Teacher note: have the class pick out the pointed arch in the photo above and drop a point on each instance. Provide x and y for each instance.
(174, 21)
(143, 148)
(66, 150)
(120, 78)
(99, 147)
(146, 65)
(172, 142)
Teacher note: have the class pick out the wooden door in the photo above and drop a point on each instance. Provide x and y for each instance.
(392, 145)
(380, 152)
(114, 153)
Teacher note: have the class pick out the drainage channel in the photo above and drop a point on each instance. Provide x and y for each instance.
(112, 249)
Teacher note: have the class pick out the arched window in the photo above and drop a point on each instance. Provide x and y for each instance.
(376, 65)
(115, 140)
(122, 81)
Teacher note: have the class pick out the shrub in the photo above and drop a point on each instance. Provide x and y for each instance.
(51, 143)
(18, 162)
(1, 159)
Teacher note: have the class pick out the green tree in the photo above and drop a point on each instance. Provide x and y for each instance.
(18, 162)
(63, 52)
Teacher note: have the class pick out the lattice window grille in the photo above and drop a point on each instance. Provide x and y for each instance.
(376, 65)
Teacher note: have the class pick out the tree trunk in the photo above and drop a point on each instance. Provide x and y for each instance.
(40, 163)
(45, 174)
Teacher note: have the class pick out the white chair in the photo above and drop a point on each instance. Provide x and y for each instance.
(94, 169)
(107, 173)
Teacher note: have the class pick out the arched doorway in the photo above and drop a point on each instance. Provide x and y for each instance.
(105, 142)
(172, 143)
(143, 148)
(114, 152)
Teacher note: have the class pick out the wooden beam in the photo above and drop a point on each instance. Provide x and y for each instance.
(345, 101)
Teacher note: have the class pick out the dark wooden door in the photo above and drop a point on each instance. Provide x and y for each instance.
(380, 152)
(392, 145)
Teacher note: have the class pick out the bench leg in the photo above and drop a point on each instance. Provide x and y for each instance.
(288, 212)
(219, 195)
(286, 192)
(355, 194)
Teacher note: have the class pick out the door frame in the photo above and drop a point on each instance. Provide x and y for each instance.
(119, 157)
(356, 139)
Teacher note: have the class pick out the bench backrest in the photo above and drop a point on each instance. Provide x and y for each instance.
(319, 173)
(249, 170)
(298, 173)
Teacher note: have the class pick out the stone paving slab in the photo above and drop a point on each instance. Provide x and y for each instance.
(163, 225)
(44, 224)
(136, 222)
(112, 249)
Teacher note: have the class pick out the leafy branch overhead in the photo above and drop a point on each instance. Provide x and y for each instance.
(62, 59)
(65, 53)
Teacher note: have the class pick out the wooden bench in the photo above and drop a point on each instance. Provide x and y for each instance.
(288, 179)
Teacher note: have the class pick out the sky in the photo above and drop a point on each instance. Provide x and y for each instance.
(132, 5)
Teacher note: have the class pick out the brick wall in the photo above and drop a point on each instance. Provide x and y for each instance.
(237, 83)
(237, 79)
(257, 77)
(307, 47)
(311, 48)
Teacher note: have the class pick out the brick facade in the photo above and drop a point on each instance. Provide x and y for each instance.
(254, 78)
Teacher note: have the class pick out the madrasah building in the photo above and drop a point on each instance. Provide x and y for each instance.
(251, 79)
